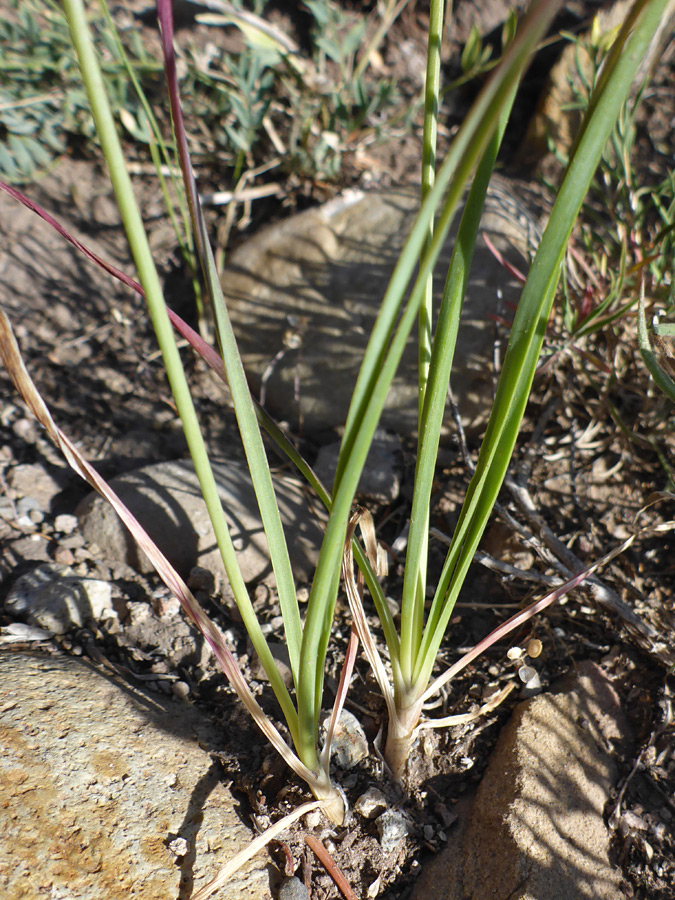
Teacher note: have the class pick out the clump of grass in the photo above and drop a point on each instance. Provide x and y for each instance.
(611, 251)
(413, 644)
(621, 251)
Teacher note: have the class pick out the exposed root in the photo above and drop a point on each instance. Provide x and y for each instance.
(328, 863)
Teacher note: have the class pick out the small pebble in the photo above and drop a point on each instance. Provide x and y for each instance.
(630, 822)
(137, 612)
(9, 410)
(178, 846)
(166, 606)
(25, 523)
(64, 556)
(350, 744)
(201, 579)
(24, 428)
(447, 816)
(181, 690)
(160, 667)
(393, 606)
(65, 523)
(392, 827)
(293, 889)
(659, 830)
(26, 505)
(371, 803)
(313, 819)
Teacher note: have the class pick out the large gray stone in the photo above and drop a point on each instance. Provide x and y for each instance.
(167, 501)
(536, 829)
(380, 478)
(107, 794)
(303, 296)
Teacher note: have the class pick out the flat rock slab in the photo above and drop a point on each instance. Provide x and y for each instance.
(303, 295)
(167, 501)
(107, 794)
(536, 829)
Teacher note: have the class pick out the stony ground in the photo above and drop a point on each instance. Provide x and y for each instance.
(598, 440)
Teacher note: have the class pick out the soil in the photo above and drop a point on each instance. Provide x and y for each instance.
(597, 441)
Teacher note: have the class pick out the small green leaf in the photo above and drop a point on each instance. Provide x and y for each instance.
(509, 29)
(472, 51)
(40, 155)
(663, 329)
(20, 152)
(21, 125)
(7, 165)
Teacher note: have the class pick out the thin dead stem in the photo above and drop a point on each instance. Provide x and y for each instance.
(256, 845)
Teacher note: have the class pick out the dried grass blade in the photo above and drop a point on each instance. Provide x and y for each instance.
(340, 697)
(464, 718)
(540, 605)
(56, 225)
(359, 617)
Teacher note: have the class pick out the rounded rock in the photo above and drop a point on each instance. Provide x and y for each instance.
(55, 598)
(293, 889)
